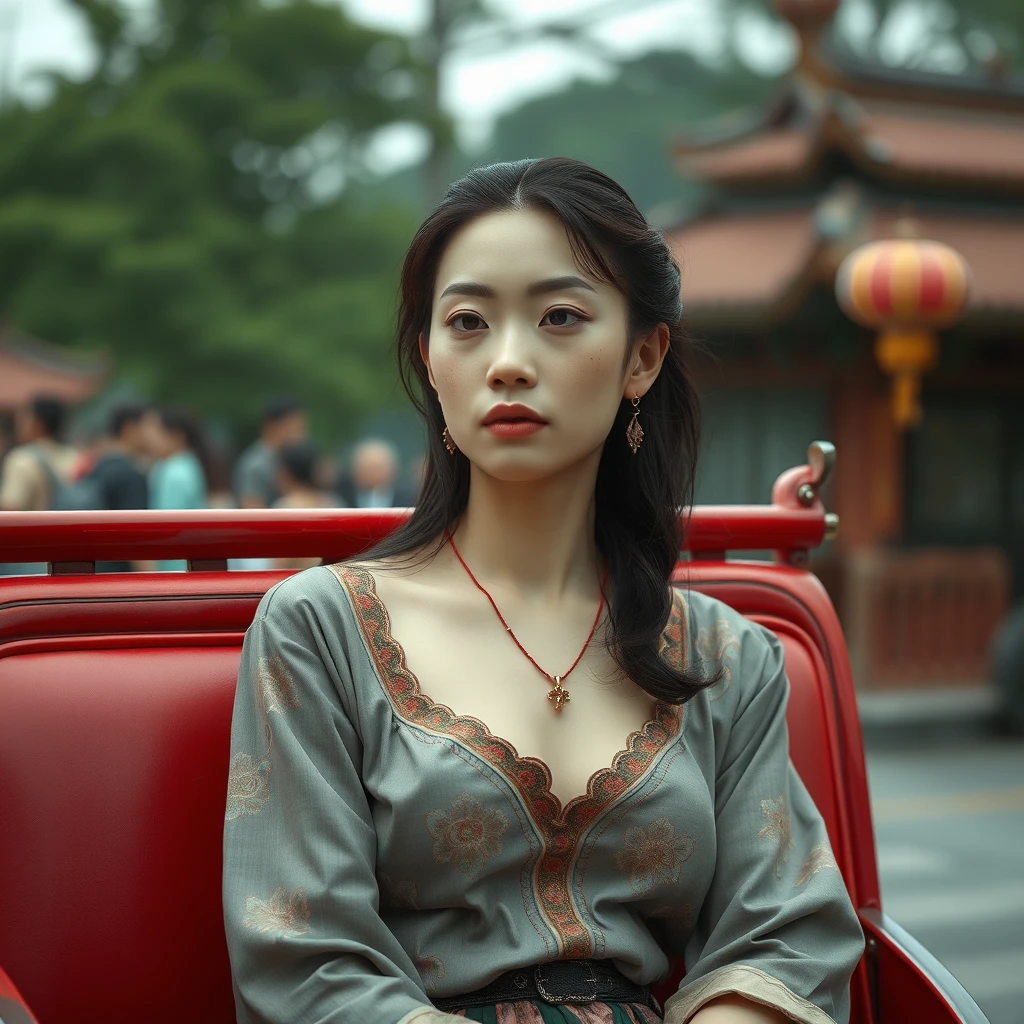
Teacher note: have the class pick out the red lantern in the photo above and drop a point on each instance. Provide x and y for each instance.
(907, 288)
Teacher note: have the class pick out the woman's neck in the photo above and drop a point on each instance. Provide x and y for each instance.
(534, 537)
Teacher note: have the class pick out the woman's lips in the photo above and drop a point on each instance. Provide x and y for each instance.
(514, 427)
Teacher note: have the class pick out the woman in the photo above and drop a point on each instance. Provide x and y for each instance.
(444, 803)
(177, 479)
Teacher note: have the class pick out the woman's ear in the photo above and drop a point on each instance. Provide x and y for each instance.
(425, 356)
(645, 364)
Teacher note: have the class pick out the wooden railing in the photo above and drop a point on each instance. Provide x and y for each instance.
(923, 617)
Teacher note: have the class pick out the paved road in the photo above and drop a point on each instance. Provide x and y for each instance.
(949, 824)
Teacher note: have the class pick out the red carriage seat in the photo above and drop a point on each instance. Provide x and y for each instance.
(115, 705)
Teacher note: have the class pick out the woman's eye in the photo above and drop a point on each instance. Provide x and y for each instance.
(563, 318)
(466, 322)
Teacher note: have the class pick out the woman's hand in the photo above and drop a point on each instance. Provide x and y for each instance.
(733, 1009)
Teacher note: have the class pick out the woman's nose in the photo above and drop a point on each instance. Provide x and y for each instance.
(513, 361)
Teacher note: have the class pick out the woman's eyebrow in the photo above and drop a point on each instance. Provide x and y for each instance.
(557, 284)
(481, 291)
(552, 284)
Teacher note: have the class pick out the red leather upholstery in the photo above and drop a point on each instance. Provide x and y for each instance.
(115, 705)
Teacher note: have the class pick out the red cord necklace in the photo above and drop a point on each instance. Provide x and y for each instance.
(559, 696)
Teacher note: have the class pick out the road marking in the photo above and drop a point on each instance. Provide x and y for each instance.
(918, 911)
(990, 975)
(948, 805)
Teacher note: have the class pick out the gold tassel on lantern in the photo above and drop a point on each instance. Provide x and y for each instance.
(907, 288)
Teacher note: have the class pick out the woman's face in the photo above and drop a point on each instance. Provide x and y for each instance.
(516, 322)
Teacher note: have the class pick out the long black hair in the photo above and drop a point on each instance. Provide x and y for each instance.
(638, 498)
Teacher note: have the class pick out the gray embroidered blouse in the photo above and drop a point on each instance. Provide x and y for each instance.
(380, 851)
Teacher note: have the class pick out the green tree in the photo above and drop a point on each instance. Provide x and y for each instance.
(950, 35)
(196, 206)
(626, 126)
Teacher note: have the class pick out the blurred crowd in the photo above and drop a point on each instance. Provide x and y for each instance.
(151, 457)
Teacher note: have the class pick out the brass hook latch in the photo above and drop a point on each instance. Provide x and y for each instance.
(821, 457)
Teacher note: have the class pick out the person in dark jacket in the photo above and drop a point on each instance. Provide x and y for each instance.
(120, 472)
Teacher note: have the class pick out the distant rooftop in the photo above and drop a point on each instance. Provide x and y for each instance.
(840, 155)
(31, 367)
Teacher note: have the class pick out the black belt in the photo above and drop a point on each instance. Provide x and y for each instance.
(559, 981)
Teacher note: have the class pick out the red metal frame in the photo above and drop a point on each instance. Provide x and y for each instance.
(909, 983)
(216, 534)
(44, 613)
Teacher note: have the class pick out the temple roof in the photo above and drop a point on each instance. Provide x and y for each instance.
(894, 140)
(757, 267)
(30, 367)
(841, 155)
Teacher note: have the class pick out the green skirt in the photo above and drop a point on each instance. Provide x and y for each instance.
(535, 1011)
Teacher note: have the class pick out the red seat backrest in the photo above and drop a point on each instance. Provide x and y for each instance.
(115, 707)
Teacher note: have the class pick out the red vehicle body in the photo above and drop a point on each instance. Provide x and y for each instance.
(115, 706)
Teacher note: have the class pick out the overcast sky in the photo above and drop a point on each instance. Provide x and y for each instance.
(477, 85)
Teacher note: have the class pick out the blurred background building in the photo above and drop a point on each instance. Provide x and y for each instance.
(931, 543)
(30, 367)
(205, 203)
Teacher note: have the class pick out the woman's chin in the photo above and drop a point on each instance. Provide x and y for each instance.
(522, 467)
(518, 474)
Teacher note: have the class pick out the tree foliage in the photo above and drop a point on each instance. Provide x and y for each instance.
(943, 35)
(201, 206)
(626, 126)
(195, 206)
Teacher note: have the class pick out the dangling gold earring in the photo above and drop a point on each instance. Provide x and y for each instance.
(448, 442)
(634, 432)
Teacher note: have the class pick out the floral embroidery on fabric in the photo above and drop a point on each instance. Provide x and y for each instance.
(778, 829)
(672, 645)
(275, 688)
(560, 827)
(718, 646)
(400, 895)
(655, 855)
(276, 684)
(286, 914)
(526, 1012)
(602, 1013)
(248, 786)
(821, 858)
(431, 968)
(468, 834)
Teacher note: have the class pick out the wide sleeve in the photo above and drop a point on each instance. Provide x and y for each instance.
(304, 935)
(777, 925)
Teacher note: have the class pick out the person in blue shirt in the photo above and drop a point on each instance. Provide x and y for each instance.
(177, 479)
